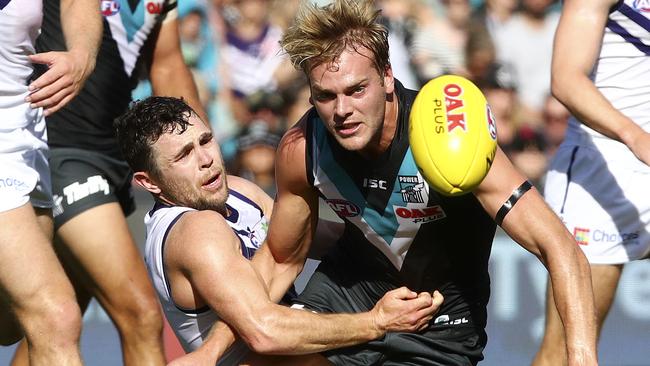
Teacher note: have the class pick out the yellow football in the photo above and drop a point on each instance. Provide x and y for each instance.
(453, 134)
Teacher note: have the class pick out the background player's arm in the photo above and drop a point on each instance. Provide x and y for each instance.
(203, 248)
(168, 73)
(533, 225)
(67, 71)
(574, 53)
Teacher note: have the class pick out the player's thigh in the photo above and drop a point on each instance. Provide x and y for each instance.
(97, 247)
(29, 268)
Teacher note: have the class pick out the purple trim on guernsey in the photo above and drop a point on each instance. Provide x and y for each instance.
(634, 41)
(635, 16)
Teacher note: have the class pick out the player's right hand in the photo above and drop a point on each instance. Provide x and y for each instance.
(403, 310)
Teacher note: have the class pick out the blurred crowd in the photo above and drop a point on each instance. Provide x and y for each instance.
(252, 93)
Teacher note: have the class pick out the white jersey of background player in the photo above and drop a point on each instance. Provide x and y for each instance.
(26, 167)
(598, 181)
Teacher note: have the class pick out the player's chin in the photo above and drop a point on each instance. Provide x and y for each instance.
(352, 143)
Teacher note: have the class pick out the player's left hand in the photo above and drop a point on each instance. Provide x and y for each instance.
(66, 74)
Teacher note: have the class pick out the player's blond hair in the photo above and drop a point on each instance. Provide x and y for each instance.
(320, 34)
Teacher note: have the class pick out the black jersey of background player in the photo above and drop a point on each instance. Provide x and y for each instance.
(397, 230)
(87, 121)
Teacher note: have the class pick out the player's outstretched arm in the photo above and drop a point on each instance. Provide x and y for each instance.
(532, 224)
(574, 53)
(67, 71)
(203, 249)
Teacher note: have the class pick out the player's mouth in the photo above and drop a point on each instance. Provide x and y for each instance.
(214, 183)
(347, 129)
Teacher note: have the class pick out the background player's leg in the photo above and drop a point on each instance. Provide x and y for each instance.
(99, 254)
(35, 287)
(553, 349)
(21, 355)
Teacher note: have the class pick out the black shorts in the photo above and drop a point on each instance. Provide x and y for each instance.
(334, 290)
(83, 179)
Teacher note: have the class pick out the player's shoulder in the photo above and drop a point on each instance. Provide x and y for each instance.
(198, 225)
(251, 191)
(294, 141)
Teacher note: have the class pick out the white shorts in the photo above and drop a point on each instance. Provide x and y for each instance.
(604, 200)
(25, 174)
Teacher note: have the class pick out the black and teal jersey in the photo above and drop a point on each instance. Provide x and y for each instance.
(87, 121)
(397, 229)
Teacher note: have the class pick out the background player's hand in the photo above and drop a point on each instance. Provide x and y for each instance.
(66, 74)
(402, 310)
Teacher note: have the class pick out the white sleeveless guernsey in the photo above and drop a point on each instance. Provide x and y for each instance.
(20, 24)
(596, 184)
(191, 326)
(621, 73)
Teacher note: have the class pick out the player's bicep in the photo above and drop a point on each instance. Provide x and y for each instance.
(221, 276)
(575, 50)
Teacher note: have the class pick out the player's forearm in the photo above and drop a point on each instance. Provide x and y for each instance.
(82, 27)
(571, 279)
(294, 331)
(579, 94)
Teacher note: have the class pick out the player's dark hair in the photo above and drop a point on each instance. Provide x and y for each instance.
(143, 124)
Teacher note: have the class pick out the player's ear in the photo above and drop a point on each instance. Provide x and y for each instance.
(389, 80)
(144, 180)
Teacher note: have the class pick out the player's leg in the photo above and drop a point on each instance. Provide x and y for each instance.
(21, 354)
(553, 349)
(37, 291)
(98, 251)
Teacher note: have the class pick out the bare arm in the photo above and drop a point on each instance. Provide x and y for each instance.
(168, 73)
(574, 53)
(535, 227)
(202, 249)
(67, 71)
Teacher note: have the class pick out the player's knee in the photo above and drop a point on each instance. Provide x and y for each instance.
(55, 319)
(142, 316)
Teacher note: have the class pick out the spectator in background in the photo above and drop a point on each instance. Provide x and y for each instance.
(556, 119)
(494, 14)
(526, 44)
(255, 158)
(480, 55)
(439, 41)
(251, 53)
(528, 153)
(399, 18)
(500, 89)
(190, 30)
